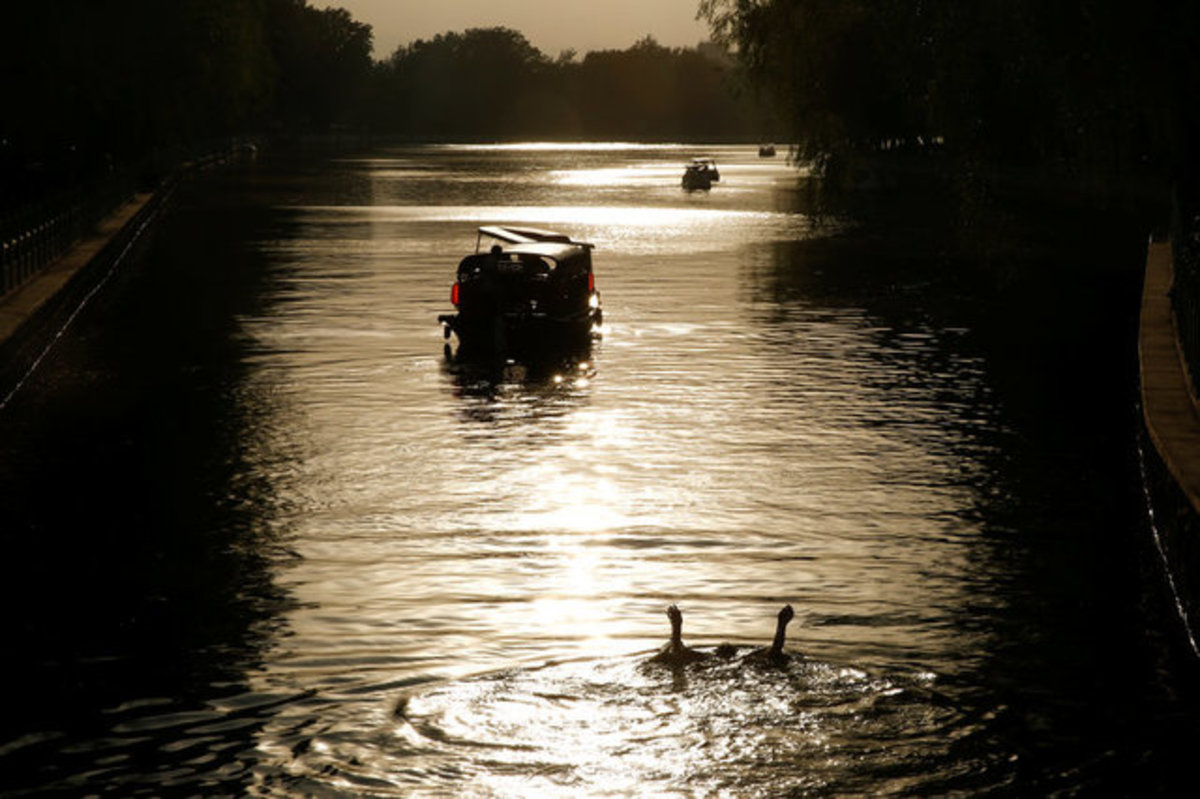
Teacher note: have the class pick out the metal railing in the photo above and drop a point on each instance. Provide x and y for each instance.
(33, 236)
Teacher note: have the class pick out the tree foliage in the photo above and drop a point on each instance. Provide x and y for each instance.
(1089, 85)
(322, 62)
(481, 82)
(116, 76)
(650, 90)
(492, 83)
(92, 82)
(87, 82)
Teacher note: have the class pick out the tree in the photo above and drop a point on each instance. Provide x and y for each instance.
(484, 82)
(322, 63)
(1089, 86)
(92, 82)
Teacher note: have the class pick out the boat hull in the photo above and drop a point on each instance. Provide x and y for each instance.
(520, 334)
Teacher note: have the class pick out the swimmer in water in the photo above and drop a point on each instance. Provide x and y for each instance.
(774, 655)
(675, 653)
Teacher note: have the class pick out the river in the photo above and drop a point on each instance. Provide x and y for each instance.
(266, 537)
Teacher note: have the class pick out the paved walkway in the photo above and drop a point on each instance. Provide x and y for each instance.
(22, 304)
(1171, 412)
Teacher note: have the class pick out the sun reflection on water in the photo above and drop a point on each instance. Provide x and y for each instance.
(561, 500)
(559, 146)
(645, 175)
(620, 727)
(497, 545)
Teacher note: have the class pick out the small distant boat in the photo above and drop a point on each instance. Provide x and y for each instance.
(700, 174)
(766, 151)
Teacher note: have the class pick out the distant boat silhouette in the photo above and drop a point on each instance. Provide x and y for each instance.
(700, 174)
(774, 655)
(675, 653)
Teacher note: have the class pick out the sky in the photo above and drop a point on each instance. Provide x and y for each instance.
(550, 25)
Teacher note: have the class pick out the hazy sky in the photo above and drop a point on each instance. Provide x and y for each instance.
(550, 25)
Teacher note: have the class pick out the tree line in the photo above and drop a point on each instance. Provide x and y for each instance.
(1096, 87)
(90, 83)
(492, 83)
(93, 84)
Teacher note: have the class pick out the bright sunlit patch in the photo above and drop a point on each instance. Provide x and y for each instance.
(630, 215)
(550, 146)
(611, 727)
(612, 228)
(568, 493)
(582, 518)
(567, 599)
(580, 508)
(613, 176)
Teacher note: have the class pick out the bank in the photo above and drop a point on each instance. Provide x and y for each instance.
(46, 283)
(33, 314)
(1171, 450)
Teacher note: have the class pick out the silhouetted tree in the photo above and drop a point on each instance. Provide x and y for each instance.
(477, 83)
(87, 83)
(492, 83)
(1092, 86)
(90, 82)
(322, 64)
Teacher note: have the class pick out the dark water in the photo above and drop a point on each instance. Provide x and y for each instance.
(262, 538)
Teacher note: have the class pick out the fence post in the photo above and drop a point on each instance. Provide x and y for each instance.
(5, 252)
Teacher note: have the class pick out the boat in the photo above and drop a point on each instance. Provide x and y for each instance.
(700, 174)
(524, 289)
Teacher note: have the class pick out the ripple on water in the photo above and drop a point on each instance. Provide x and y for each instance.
(761, 420)
(623, 727)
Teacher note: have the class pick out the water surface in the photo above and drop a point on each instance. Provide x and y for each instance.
(271, 539)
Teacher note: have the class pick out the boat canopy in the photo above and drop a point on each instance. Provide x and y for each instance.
(526, 236)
